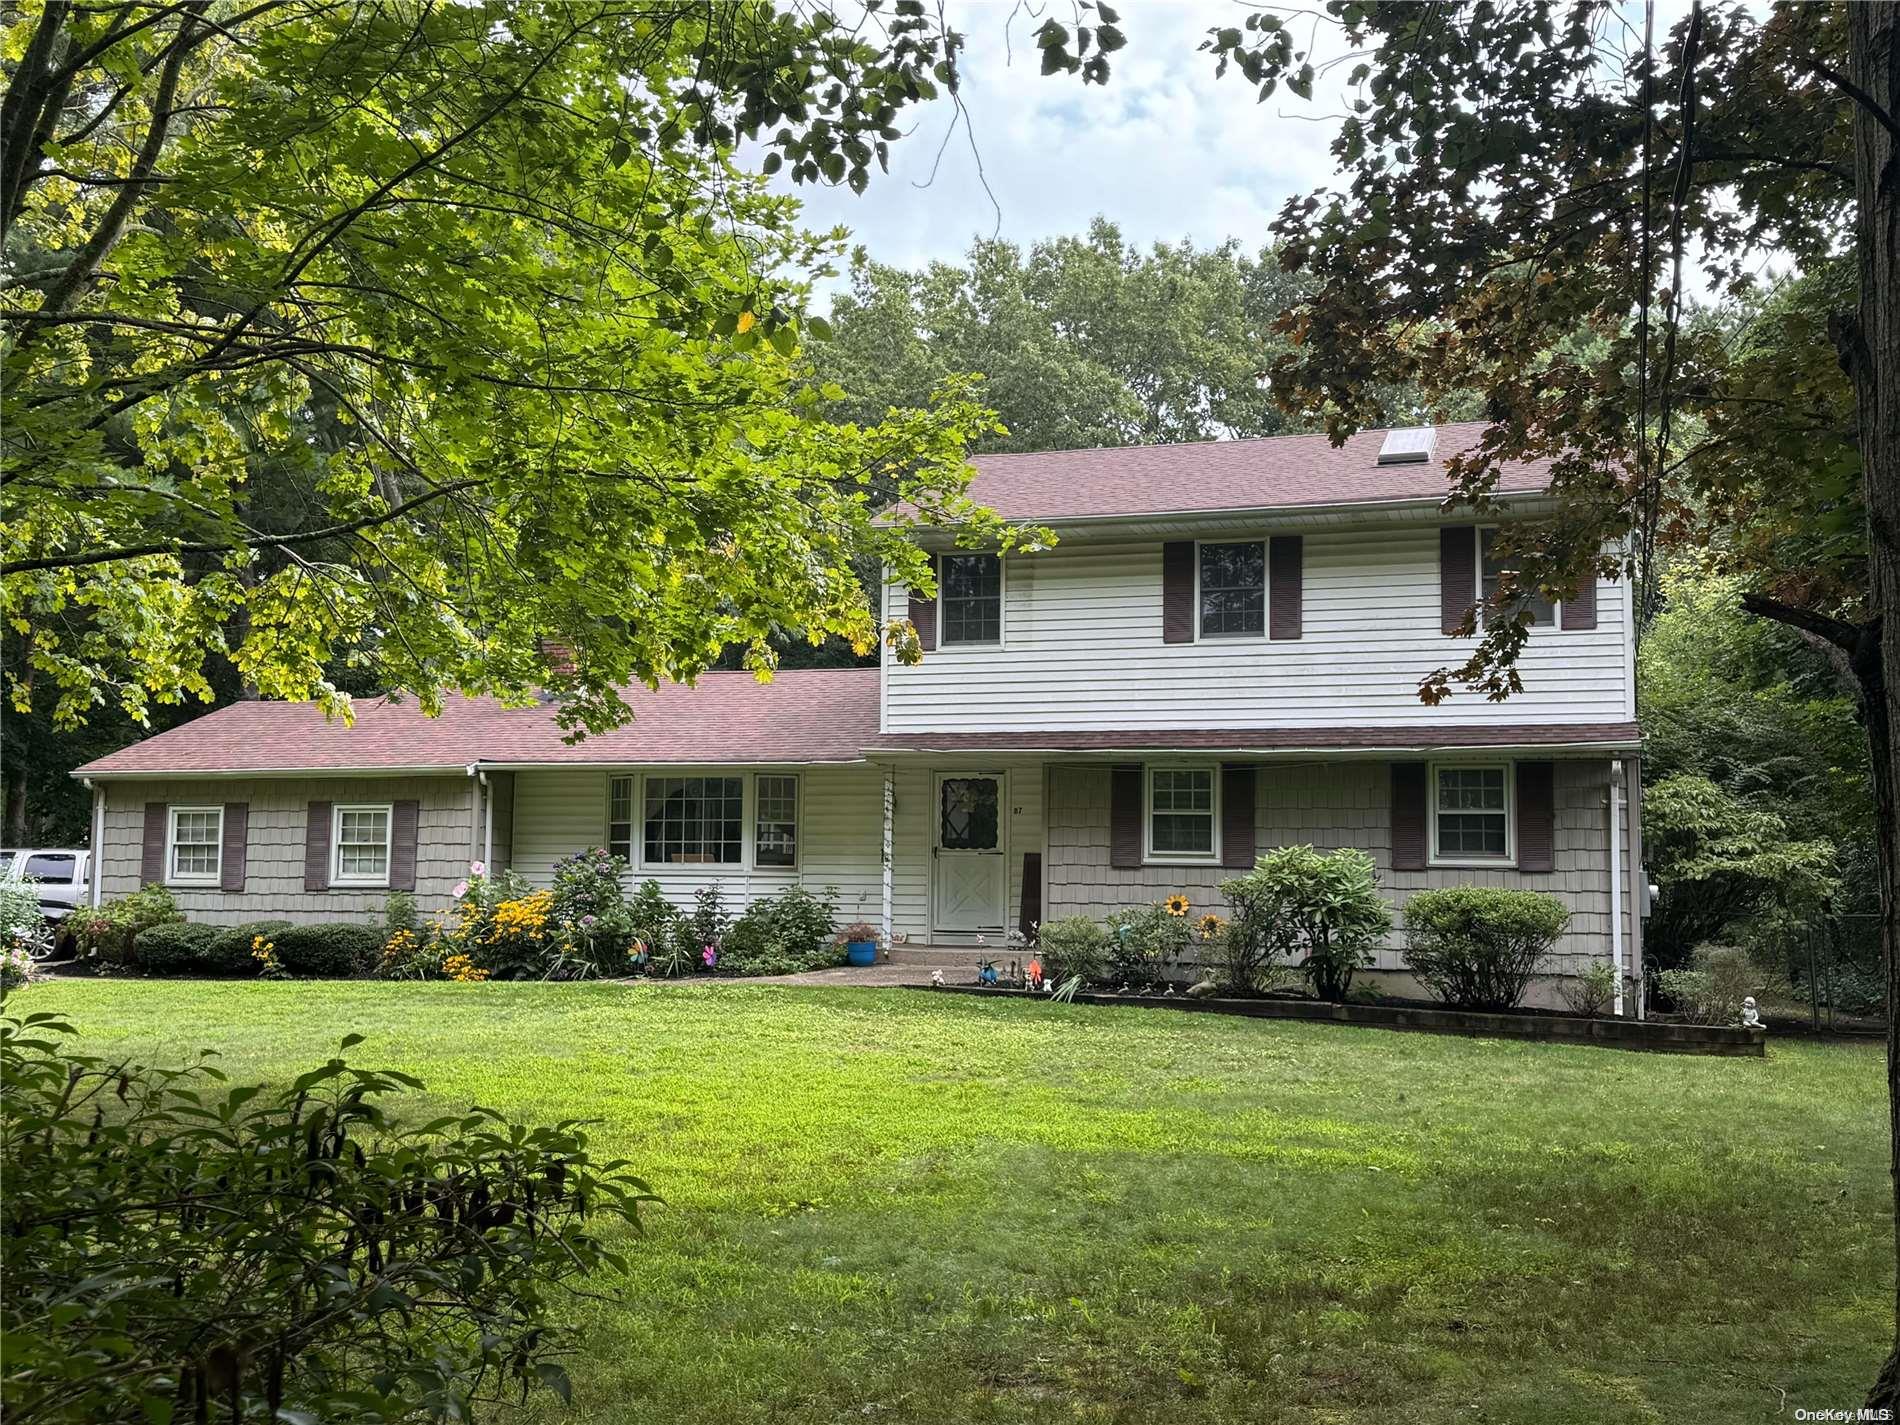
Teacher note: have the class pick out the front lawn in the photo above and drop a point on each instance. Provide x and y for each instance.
(888, 1206)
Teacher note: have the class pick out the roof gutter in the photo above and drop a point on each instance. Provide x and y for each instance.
(1240, 749)
(173, 774)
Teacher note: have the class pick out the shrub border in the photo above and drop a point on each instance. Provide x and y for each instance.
(1653, 1035)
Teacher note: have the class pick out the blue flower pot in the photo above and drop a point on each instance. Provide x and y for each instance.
(860, 952)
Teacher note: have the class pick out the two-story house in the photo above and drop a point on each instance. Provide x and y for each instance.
(1221, 654)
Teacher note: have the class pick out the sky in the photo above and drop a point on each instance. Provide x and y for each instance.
(1163, 149)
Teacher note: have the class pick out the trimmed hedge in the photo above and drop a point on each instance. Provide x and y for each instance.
(1478, 946)
(181, 948)
(333, 951)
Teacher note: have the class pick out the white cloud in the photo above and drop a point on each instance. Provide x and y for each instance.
(1164, 149)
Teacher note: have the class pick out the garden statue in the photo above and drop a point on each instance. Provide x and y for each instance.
(936, 979)
(1035, 972)
(987, 975)
(1751, 1016)
(1203, 989)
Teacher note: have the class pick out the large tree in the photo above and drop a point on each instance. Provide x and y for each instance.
(408, 341)
(1512, 175)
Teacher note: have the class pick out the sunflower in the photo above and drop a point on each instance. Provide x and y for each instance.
(1176, 904)
(1211, 926)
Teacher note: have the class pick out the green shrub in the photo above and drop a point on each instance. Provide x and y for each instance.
(1478, 946)
(1591, 993)
(1712, 989)
(1073, 945)
(281, 1253)
(334, 950)
(108, 931)
(1321, 910)
(783, 934)
(232, 953)
(1147, 943)
(651, 914)
(22, 923)
(175, 948)
(399, 914)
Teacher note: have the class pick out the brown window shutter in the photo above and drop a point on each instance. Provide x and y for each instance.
(152, 853)
(1536, 816)
(1457, 574)
(1286, 586)
(404, 820)
(1177, 591)
(1029, 914)
(237, 841)
(923, 616)
(1236, 818)
(1124, 817)
(316, 848)
(1410, 844)
(1580, 610)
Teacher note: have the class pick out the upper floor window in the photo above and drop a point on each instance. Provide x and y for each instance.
(1180, 813)
(1492, 566)
(362, 846)
(1233, 590)
(1471, 817)
(970, 598)
(197, 845)
(694, 820)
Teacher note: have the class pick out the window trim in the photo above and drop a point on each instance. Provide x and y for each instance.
(684, 774)
(1152, 857)
(636, 803)
(338, 877)
(1266, 593)
(1509, 858)
(1556, 623)
(1002, 600)
(751, 797)
(215, 876)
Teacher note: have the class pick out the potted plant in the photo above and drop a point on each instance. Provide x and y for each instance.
(860, 940)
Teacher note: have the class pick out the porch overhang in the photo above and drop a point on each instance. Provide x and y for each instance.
(1268, 743)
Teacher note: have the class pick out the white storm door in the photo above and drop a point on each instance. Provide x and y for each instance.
(969, 858)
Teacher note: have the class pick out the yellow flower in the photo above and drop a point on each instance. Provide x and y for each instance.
(521, 919)
(1211, 926)
(1176, 904)
(463, 969)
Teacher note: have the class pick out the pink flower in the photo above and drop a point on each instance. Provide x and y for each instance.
(477, 868)
(461, 889)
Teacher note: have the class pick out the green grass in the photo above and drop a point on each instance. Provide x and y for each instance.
(887, 1206)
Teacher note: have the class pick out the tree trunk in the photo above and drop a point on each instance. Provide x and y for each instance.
(1872, 356)
(16, 811)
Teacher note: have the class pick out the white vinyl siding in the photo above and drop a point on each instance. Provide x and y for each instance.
(1082, 649)
(194, 854)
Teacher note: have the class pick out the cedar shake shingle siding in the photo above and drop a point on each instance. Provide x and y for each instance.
(1329, 805)
(274, 843)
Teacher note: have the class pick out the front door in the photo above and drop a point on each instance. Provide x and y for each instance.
(970, 864)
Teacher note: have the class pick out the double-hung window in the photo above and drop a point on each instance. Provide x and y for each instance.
(620, 818)
(1471, 817)
(1233, 590)
(969, 599)
(1492, 567)
(195, 857)
(1181, 814)
(694, 821)
(775, 821)
(362, 846)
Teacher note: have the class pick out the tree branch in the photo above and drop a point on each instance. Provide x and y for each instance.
(275, 541)
(1839, 632)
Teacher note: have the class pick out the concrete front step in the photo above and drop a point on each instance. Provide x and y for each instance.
(953, 955)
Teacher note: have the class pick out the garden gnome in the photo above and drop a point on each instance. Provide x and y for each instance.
(1751, 1016)
(1035, 972)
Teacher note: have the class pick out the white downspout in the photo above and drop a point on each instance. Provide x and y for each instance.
(1616, 881)
(488, 823)
(95, 852)
(890, 821)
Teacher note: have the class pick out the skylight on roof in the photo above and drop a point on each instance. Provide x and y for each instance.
(1410, 445)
